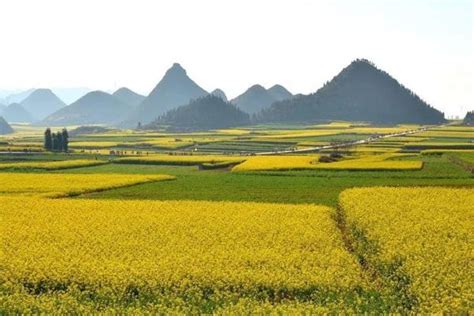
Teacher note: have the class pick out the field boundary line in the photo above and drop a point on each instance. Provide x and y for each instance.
(387, 277)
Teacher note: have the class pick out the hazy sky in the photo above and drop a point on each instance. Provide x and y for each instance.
(426, 44)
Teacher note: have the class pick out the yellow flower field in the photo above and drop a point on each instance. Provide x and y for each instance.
(365, 162)
(373, 162)
(259, 163)
(179, 159)
(52, 165)
(468, 133)
(429, 232)
(68, 184)
(182, 255)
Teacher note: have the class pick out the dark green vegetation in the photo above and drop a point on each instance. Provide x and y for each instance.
(58, 141)
(469, 118)
(360, 92)
(84, 130)
(319, 187)
(208, 112)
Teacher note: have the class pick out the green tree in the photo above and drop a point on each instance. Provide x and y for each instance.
(54, 142)
(65, 139)
(59, 136)
(48, 140)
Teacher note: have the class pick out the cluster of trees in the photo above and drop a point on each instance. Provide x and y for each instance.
(469, 119)
(56, 141)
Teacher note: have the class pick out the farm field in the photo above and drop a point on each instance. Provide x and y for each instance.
(339, 217)
(434, 257)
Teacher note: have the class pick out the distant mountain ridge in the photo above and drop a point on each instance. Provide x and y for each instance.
(257, 98)
(205, 113)
(360, 92)
(128, 96)
(16, 97)
(173, 90)
(41, 103)
(5, 128)
(15, 112)
(96, 107)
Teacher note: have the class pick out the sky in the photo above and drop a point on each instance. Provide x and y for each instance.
(427, 45)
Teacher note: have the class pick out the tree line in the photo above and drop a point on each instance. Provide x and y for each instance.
(58, 141)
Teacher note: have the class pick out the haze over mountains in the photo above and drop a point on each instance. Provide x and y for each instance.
(67, 95)
(5, 128)
(128, 96)
(257, 98)
(360, 92)
(16, 113)
(96, 107)
(41, 103)
(8, 97)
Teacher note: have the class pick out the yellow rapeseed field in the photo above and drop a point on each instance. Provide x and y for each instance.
(429, 232)
(468, 133)
(365, 162)
(374, 162)
(52, 165)
(68, 184)
(188, 256)
(259, 163)
(161, 159)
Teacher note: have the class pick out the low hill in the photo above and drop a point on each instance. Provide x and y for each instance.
(5, 128)
(219, 93)
(41, 103)
(96, 107)
(129, 97)
(360, 92)
(257, 98)
(469, 118)
(208, 112)
(279, 93)
(86, 130)
(17, 113)
(174, 89)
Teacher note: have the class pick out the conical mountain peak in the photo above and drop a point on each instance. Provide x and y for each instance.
(42, 102)
(360, 92)
(96, 107)
(176, 71)
(173, 90)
